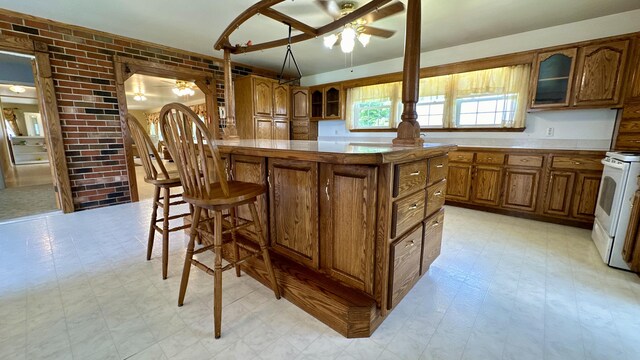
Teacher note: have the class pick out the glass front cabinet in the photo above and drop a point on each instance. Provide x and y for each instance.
(554, 78)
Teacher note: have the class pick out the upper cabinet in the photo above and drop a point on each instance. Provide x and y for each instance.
(280, 100)
(262, 108)
(300, 103)
(326, 102)
(263, 97)
(587, 76)
(554, 75)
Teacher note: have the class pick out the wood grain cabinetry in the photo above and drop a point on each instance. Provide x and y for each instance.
(631, 249)
(302, 128)
(627, 134)
(405, 265)
(348, 197)
(262, 108)
(548, 185)
(553, 75)
(254, 170)
(327, 102)
(432, 239)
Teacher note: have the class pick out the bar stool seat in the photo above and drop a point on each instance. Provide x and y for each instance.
(195, 153)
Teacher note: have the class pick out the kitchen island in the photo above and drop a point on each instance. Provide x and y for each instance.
(351, 226)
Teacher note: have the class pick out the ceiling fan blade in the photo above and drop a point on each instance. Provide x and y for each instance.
(382, 13)
(330, 7)
(374, 31)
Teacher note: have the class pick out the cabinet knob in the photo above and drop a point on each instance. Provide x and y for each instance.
(411, 243)
(437, 193)
(435, 224)
(415, 173)
(413, 206)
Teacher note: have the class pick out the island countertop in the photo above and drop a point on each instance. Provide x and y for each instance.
(337, 152)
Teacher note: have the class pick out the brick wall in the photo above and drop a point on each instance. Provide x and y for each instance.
(82, 66)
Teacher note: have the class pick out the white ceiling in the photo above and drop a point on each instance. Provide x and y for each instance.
(29, 97)
(158, 92)
(196, 24)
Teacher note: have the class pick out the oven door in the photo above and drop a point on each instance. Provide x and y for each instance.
(609, 202)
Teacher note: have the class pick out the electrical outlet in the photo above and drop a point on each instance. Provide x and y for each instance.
(336, 132)
(549, 132)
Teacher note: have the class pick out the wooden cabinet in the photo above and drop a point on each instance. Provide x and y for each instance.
(407, 212)
(521, 189)
(405, 265)
(326, 102)
(587, 76)
(600, 74)
(559, 193)
(432, 239)
(487, 184)
(627, 134)
(409, 177)
(631, 249)
(302, 128)
(459, 182)
(262, 108)
(254, 170)
(586, 195)
(348, 197)
(293, 209)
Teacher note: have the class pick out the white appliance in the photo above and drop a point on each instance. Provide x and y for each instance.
(613, 208)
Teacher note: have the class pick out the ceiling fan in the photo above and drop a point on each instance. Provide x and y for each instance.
(358, 29)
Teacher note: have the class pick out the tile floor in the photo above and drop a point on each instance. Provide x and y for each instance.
(77, 287)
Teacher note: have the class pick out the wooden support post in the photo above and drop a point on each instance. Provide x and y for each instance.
(230, 131)
(409, 128)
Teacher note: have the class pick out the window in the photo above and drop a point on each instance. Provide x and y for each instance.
(492, 98)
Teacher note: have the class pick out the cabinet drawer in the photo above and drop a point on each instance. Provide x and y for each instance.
(407, 212)
(405, 265)
(461, 156)
(431, 240)
(438, 168)
(525, 160)
(582, 163)
(435, 197)
(489, 158)
(409, 177)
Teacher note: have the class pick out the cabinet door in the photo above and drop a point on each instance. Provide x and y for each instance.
(486, 185)
(254, 170)
(559, 193)
(317, 103)
(586, 195)
(332, 103)
(521, 189)
(293, 195)
(262, 97)
(631, 249)
(459, 182)
(280, 129)
(553, 72)
(348, 197)
(300, 104)
(264, 129)
(280, 100)
(600, 72)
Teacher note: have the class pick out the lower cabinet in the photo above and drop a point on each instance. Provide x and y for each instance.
(459, 182)
(347, 223)
(521, 189)
(586, 195)
(280, 129)
(405, 265)
(254, 170)
(293, 209)
(559, 193)
(431, 240)
(263, 129)
(272, 129)
(487, 184)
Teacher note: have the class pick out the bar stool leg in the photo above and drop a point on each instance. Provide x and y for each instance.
(187, 260)
(154, 215)
(217, 289)
(236, 251)
(165, 232)
(263, 247)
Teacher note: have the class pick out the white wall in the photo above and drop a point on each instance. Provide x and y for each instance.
(572, 128)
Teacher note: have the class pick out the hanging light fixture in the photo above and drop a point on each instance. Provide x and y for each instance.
(139, 97)
(348, 36)
(17, 89)
(364, 39)
(183, 88)
(330, 40)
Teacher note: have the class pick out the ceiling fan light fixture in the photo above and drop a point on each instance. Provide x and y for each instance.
(348, 40)
(139, 97)
(364, 39)
(183, 88)
(17, 89)
(330, 40)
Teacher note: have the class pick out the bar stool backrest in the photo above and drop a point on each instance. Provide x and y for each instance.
(152, 167)
(194, 151)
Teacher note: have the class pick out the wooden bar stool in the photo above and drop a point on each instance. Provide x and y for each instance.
(157, 174)
(195, 153)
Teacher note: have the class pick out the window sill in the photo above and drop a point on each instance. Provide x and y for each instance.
(446, 130)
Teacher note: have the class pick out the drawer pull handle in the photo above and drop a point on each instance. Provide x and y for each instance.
(524, 160)
(435, 224)
(411, 243)
(415, 173)
(437, 193)
(489, 158)
(413, 206)
(460, 157)
(577, 163)
(326, 189)
(440, 166)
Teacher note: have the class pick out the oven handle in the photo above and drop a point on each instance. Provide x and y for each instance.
(615, 166)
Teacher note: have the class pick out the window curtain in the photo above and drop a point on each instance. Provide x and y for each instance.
(388, 91)
(504, 80)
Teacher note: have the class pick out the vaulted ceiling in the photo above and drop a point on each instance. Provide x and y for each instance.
(196, 24)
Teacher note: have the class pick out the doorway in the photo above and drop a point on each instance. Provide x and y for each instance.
(145, 96)
(26, 181)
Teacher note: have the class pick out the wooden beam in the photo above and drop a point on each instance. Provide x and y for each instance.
(278, 16)
(355, 15)
(223, 40)
(409, 128)
(121, 76)
(208, 87)
(230, 130)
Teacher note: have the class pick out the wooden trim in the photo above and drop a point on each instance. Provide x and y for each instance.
(125, 67)
(49, 112)
(428, 130)
(278, 16)
(223, 40)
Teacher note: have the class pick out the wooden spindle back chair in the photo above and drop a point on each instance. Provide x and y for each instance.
(206, 187)
(162, 180)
